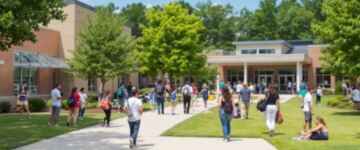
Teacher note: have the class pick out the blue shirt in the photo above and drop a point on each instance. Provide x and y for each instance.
(245, 94)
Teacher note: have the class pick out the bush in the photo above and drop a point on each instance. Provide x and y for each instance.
(338, 101)
(145, 91)
(37, 105)
(5, 107)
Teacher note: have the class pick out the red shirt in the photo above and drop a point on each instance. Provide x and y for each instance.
(76, 97)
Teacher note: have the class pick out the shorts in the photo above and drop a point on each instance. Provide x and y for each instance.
(308, 116)
(319, 136)
(22, 103)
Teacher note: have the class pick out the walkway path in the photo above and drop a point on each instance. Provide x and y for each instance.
(152, 125)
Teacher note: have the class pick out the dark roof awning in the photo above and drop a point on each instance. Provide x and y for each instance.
(37, 60)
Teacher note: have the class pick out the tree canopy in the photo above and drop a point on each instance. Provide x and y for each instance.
(135, 17)
(171, 42)
(20, 18)
(105, 49)
(341, 30)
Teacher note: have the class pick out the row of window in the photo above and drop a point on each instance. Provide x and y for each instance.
(257, 51)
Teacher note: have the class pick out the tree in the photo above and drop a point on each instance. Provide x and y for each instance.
(315, 7)
(294, 21)
(219, 23)
(135, 17)
(171, 42)
(341, 30)
(105, 50)
(264, 26)
(20, 18)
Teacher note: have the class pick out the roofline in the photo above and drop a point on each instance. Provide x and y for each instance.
(79, 3)
(262, 42)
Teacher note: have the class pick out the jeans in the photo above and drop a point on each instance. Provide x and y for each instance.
(134, 130)
(55, 115)
(160, 104)
(187, 102)
(107, 117)
(271, 111)
(225, 122)
(82, 112)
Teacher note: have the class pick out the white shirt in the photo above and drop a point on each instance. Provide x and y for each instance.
(307, 102)
(356, 95)
(187, 87)
(319, 92)
(55, 97)
(239, 87)
(134, 105)
(83, 97)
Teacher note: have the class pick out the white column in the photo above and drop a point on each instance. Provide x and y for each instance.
(299, 75)
(245, 73)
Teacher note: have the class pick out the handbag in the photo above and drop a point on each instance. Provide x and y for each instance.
(261, 105)
(279, 117)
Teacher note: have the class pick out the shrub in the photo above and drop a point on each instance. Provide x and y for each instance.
(338, 101)
(5, 107)
(145, 91)
(37, 105)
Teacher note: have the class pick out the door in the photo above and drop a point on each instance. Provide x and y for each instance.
(284, 81)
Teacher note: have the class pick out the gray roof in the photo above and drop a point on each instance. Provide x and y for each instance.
(262, 42)
(299, 49)
(82, 4)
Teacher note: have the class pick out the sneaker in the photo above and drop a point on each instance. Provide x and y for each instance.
(131, 143)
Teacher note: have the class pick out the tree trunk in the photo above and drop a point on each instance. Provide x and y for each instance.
(102, 88)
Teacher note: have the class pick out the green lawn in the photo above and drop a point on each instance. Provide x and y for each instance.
(344, 126)
(17, 131)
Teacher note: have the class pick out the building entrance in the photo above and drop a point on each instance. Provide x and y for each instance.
(286, 81)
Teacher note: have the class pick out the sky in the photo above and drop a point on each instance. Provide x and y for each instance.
(237, 4)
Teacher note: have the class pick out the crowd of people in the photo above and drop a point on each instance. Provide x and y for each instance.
(126, 99)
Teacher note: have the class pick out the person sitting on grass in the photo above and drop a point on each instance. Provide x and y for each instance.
(320, 132)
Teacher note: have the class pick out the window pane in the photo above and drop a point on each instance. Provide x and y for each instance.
(267, 51)
(248, 51)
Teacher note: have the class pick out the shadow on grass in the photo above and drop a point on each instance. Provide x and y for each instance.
(275, 134)
(349, 113)
(357, 136)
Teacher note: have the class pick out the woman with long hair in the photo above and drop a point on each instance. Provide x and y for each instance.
(320, 132)
(225, 112)
(106, 106)
(272, 107)
(74, 106)
(23, 101)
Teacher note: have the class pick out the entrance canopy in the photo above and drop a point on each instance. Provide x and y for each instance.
(258, 59)
(36, 60)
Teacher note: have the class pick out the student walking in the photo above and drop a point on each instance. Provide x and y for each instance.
(173, 99)
(319, 94)
(121, 96)
(106, 106)
(307, 108)
(55, 105)
(245, 95)
(225, 113)
(74, 106)
(205, 94)
(83, 102)
(187, 91)
(160, 97)
(134, 108)
(23, 101)
(272, 107)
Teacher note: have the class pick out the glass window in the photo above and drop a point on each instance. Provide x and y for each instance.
(92, 85)
(266, 51)
(235, 76)
(248, 51)
(323, 78)
(25, 76)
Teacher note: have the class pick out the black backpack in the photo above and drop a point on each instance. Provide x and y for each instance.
(159, 90)
(228, 107)
(261, 105)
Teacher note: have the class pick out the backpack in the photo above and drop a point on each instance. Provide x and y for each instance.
(261, 105)
(159, 90)
(228, 107)
(186, 91)
(71, 101)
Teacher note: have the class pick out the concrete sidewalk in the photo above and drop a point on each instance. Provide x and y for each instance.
(152, 125)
